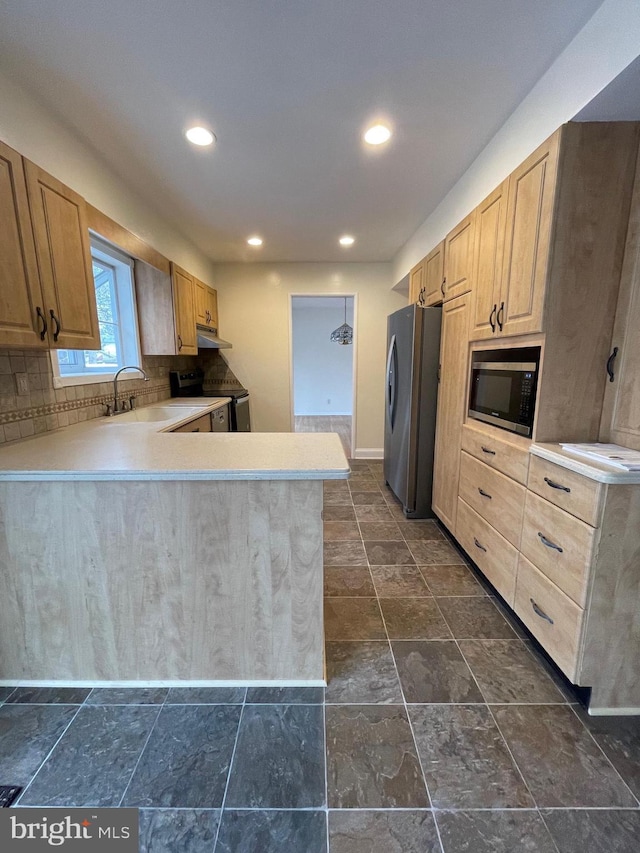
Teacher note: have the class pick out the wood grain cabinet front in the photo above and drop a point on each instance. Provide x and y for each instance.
(22, 308)
(498, 499)
(434, 276)
(416, 287)
(185, 311)
(61, 232)
(508, 455)
(458, 259)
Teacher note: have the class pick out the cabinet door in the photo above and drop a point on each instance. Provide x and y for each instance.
(452, 397)
(491, 218)
(434, 275)
(526, 258)
(212, 306)
(416, 281)
(458, 258)
(64, 258)
(184, 306)
(20, 295)
(200, 294)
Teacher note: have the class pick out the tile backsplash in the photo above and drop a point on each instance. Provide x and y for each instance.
(40, 407)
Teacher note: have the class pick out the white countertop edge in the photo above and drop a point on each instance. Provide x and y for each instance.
(112, 476)
(599, 472)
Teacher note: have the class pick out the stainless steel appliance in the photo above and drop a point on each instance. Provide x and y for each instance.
(411, 393)
(190, 384)
(503, 388)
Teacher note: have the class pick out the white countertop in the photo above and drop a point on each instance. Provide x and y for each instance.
(125, 447)
(599, 471)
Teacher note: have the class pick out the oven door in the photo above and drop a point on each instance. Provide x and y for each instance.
(503, 394)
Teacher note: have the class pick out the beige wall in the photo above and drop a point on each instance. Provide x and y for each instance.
(602, 49)
(254, 315)
(28, 127)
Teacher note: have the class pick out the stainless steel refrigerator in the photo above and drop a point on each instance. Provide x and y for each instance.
(411, 393)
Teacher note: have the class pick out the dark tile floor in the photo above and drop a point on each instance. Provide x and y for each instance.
(441, 730)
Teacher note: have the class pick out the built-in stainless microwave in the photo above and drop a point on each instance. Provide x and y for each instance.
(503, 388)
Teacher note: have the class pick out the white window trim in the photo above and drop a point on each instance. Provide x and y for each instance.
(60, 381)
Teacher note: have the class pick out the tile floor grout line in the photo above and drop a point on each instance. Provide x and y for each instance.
(326, 772)
(226, 787)
(495, 722)
(617, 772)
(128, 785)
(413, 734)
(48, 756)
(544, 823)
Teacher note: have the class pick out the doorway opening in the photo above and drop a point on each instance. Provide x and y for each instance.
(322, 369)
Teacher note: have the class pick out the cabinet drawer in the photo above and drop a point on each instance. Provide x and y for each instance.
(577, 494)
(551, 616)
(498, 499)
(503, 455)
(559, 545)
(201, 424)
(490, 551)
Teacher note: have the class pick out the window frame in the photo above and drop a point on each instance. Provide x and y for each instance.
(105, 253)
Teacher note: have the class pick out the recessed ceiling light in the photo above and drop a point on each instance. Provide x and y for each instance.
(200, 136)
(255, 241)
(347, 240)
(377, 134)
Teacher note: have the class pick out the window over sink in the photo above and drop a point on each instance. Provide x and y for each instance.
(120, 342)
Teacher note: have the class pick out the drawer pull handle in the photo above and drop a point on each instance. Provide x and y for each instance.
(540, 613)
(486, 450)
(483, 493)
(549, 543)
(478, 545)
(556, 485)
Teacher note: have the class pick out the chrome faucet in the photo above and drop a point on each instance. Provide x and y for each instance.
(113, 410)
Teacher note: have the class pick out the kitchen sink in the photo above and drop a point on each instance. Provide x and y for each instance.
(156, 413)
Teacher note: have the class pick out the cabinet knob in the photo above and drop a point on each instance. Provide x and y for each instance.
(549, 543)
(539, 612)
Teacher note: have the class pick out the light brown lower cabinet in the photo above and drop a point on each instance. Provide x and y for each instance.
(569, 565)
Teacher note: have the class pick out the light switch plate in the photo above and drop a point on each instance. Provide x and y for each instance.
(22, 383)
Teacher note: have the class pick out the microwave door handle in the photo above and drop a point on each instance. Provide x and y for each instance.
(392, 389)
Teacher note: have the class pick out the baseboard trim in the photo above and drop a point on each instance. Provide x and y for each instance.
(369, 453)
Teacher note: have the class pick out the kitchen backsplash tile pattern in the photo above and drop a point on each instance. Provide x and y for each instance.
(42, 407)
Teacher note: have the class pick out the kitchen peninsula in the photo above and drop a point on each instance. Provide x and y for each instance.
(136, 555)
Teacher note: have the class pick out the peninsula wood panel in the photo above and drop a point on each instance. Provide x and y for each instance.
(161, 581)
(434, 275)
(491, 220)
(452, 393)
(61, 237)
(20, 294)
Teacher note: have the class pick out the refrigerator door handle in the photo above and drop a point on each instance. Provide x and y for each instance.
(392, 386)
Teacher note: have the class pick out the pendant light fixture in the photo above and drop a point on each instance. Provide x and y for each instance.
(344, 333)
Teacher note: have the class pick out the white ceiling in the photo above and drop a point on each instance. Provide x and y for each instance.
(288, 87)
(619, 101)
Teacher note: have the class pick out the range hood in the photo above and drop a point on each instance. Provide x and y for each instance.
(208, 339)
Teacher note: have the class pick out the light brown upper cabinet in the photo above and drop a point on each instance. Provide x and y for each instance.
(452, 395)
(206, 304)
(529, 221)
(491, 219)
(22, 319)
(185, 311)
(434, 275)
(458, 258)
(61, 234)
(416, 288)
